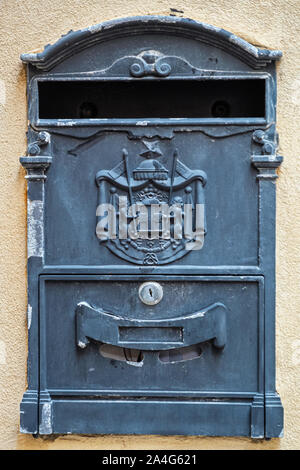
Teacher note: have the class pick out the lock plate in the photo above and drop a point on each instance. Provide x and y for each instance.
(151, 293)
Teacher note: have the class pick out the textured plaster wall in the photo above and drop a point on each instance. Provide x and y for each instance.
(26, 25)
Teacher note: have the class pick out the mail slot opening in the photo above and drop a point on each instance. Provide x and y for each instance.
(139, 99)
(150, 334)
(121, 354)
(180, 354)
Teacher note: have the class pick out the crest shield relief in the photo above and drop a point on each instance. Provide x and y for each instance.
(148, 215)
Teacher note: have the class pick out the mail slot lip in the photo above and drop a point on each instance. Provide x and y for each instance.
(99, 324)
(33, 100)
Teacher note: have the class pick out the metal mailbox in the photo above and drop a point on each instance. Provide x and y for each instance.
(151, 165)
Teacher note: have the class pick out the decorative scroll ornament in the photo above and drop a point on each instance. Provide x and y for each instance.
(36, 164)
(268, 161)
(152, 186)
(150, 63)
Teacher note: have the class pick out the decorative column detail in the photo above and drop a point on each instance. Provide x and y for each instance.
(266, 164)
(36, 166)
(268, 161)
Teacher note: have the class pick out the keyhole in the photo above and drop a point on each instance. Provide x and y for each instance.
(150, 293)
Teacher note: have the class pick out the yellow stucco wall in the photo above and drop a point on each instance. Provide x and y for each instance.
(26, 25)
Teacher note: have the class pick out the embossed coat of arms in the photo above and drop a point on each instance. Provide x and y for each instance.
(161, 192)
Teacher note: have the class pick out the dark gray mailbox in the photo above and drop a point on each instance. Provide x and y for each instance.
(151, 232)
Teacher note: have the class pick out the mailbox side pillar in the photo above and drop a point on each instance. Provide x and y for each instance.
(266, 166)
(36, 167)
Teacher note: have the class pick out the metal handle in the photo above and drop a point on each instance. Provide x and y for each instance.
(106, 327)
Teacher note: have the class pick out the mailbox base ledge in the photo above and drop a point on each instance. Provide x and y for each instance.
(160, 417)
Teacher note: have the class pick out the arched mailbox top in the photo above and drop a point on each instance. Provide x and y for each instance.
(76, 41)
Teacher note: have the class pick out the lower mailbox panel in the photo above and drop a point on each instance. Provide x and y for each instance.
(192, 364)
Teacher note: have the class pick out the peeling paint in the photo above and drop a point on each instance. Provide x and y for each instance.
(29, 316)
(244, 44)
(83, 304)
(46, 422)
(135, 364)
(142, 123)
(210, 27)
(64, 122)
(95, 28)
(35, 231)
(24, 430)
